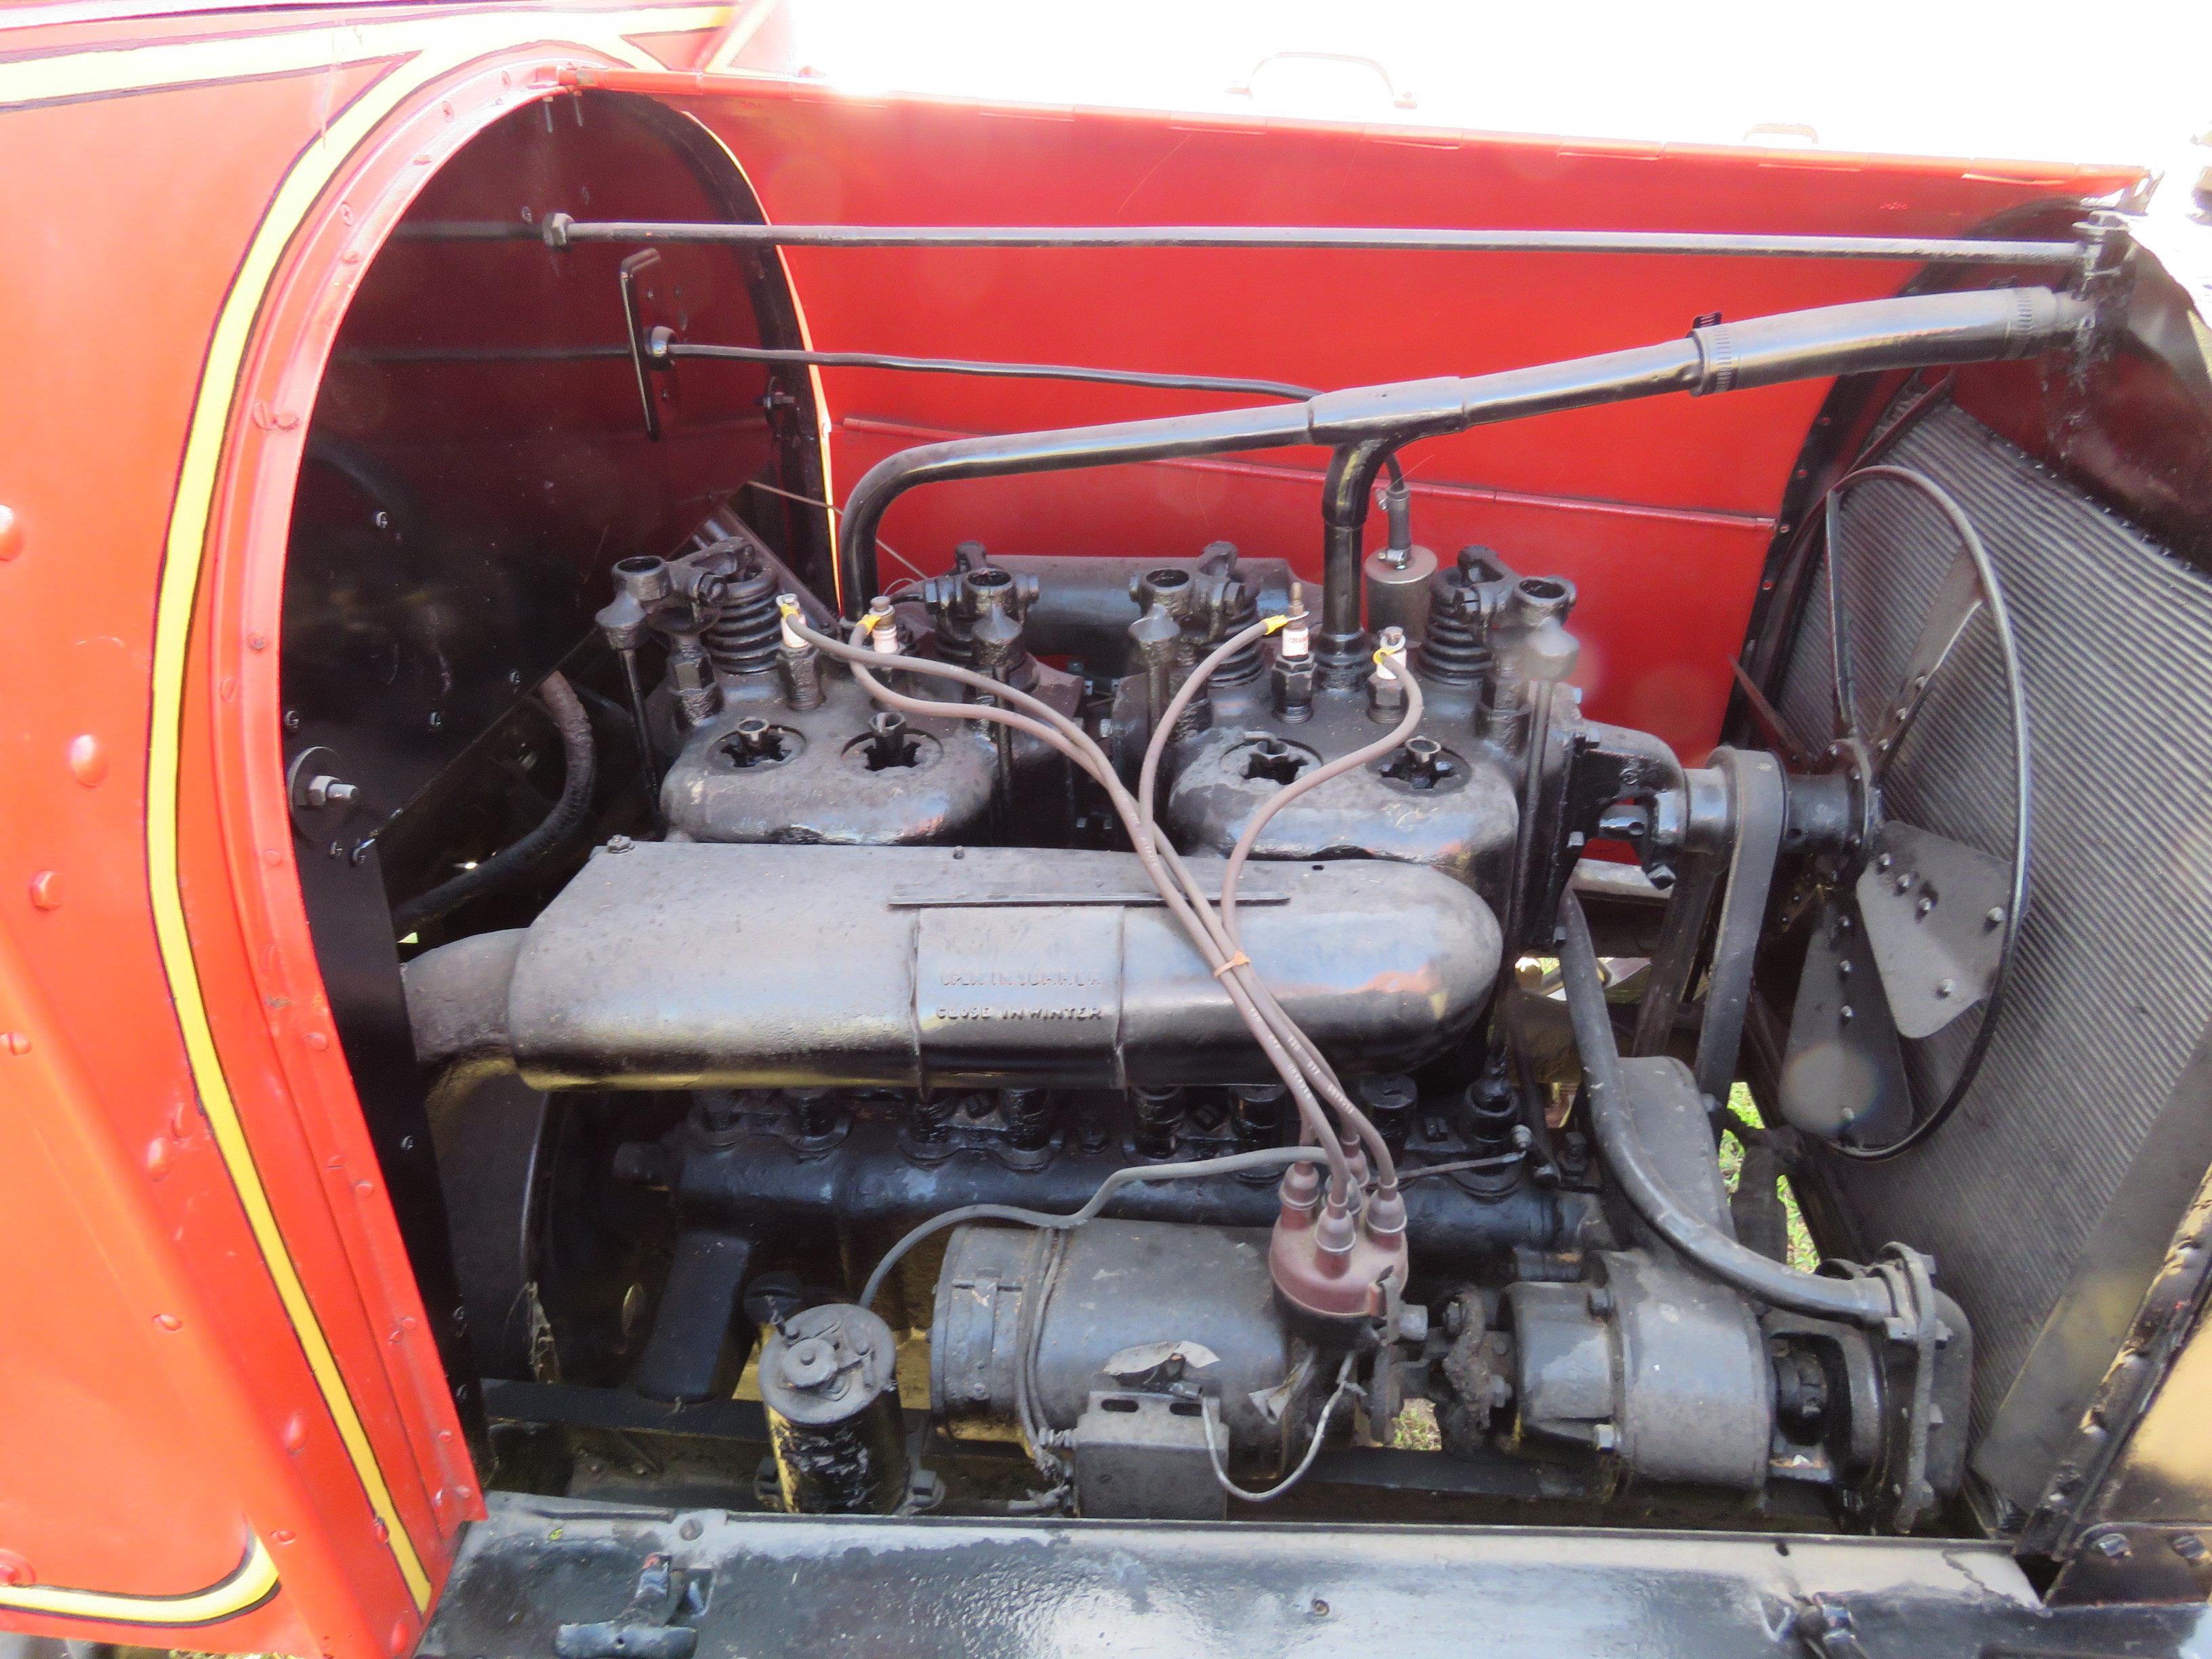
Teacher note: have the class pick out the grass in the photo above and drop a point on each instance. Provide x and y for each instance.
(1802, 1254)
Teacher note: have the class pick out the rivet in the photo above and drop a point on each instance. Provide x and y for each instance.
(381, 1533)
(257, 641)
(317, 1040)
(402, 1638)
(87, 760)
(1845, 1013)
(1995, 915)
(15, 1570)
(46, 890)
(1945, 986)
(295, 1433)
(272, 857)
(283, 1535)
(11, 534)
(364, 1188)
(1320, 1608)
(16, 1043)
(229, 689)
(159, 1156)
(169, 1321)
(1905, 882)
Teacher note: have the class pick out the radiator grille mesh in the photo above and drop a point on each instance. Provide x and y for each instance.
(2113, 985)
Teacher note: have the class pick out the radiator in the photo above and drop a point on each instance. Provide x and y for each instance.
(2112, 986)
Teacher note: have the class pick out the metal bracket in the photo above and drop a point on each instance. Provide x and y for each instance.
(2136, 1561)
(1825, 1628)
(629, 274)
(647, 1628)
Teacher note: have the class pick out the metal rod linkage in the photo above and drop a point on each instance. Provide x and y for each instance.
(560, 230)
(1372, 421)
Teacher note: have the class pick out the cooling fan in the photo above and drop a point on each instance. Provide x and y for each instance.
(1907, 934)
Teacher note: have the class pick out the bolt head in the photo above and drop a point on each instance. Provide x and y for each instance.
(2112, 1546)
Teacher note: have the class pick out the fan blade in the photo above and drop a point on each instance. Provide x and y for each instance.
(1839, 642)
(1844, 1075)
(1768, 719)
(1935, 914)
(1954, 606)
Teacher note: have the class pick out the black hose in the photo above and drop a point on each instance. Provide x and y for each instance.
(1859, 1301)
(509, 864)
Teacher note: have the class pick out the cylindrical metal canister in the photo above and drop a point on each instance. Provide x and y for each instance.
(828, 1379)
(1397, 581)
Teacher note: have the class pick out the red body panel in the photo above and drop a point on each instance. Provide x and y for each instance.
(195, 218)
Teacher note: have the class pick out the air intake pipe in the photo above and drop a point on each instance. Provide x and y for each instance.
(1913, 332)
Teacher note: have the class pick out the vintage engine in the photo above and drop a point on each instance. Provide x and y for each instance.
(1142, 978)
(905, 974)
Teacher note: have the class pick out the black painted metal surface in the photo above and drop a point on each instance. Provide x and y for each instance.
(778, 1585)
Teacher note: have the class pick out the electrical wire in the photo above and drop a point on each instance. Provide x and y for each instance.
(669, 350)
(803, 499)
(1193, 913)
(1266, 1158)
(1311, 1062)
(1305, 781)
(1210, 1412)
(677, 349)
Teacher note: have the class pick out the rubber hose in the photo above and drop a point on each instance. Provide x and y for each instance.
(508, 865)
(1858, 1301)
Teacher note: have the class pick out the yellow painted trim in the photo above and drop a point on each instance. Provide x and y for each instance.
(154, 66)
(432, 47)
(253, 1582)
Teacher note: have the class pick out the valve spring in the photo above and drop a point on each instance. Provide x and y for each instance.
(813, 1110)
(1493, 1113)
(1389, 1102)
(929, 1119)
(1245, 665)
(1197, 714)
(1159, 1117)
(1255, 1115)
(747, 633)
(1029, 1118)
(1453, 654)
